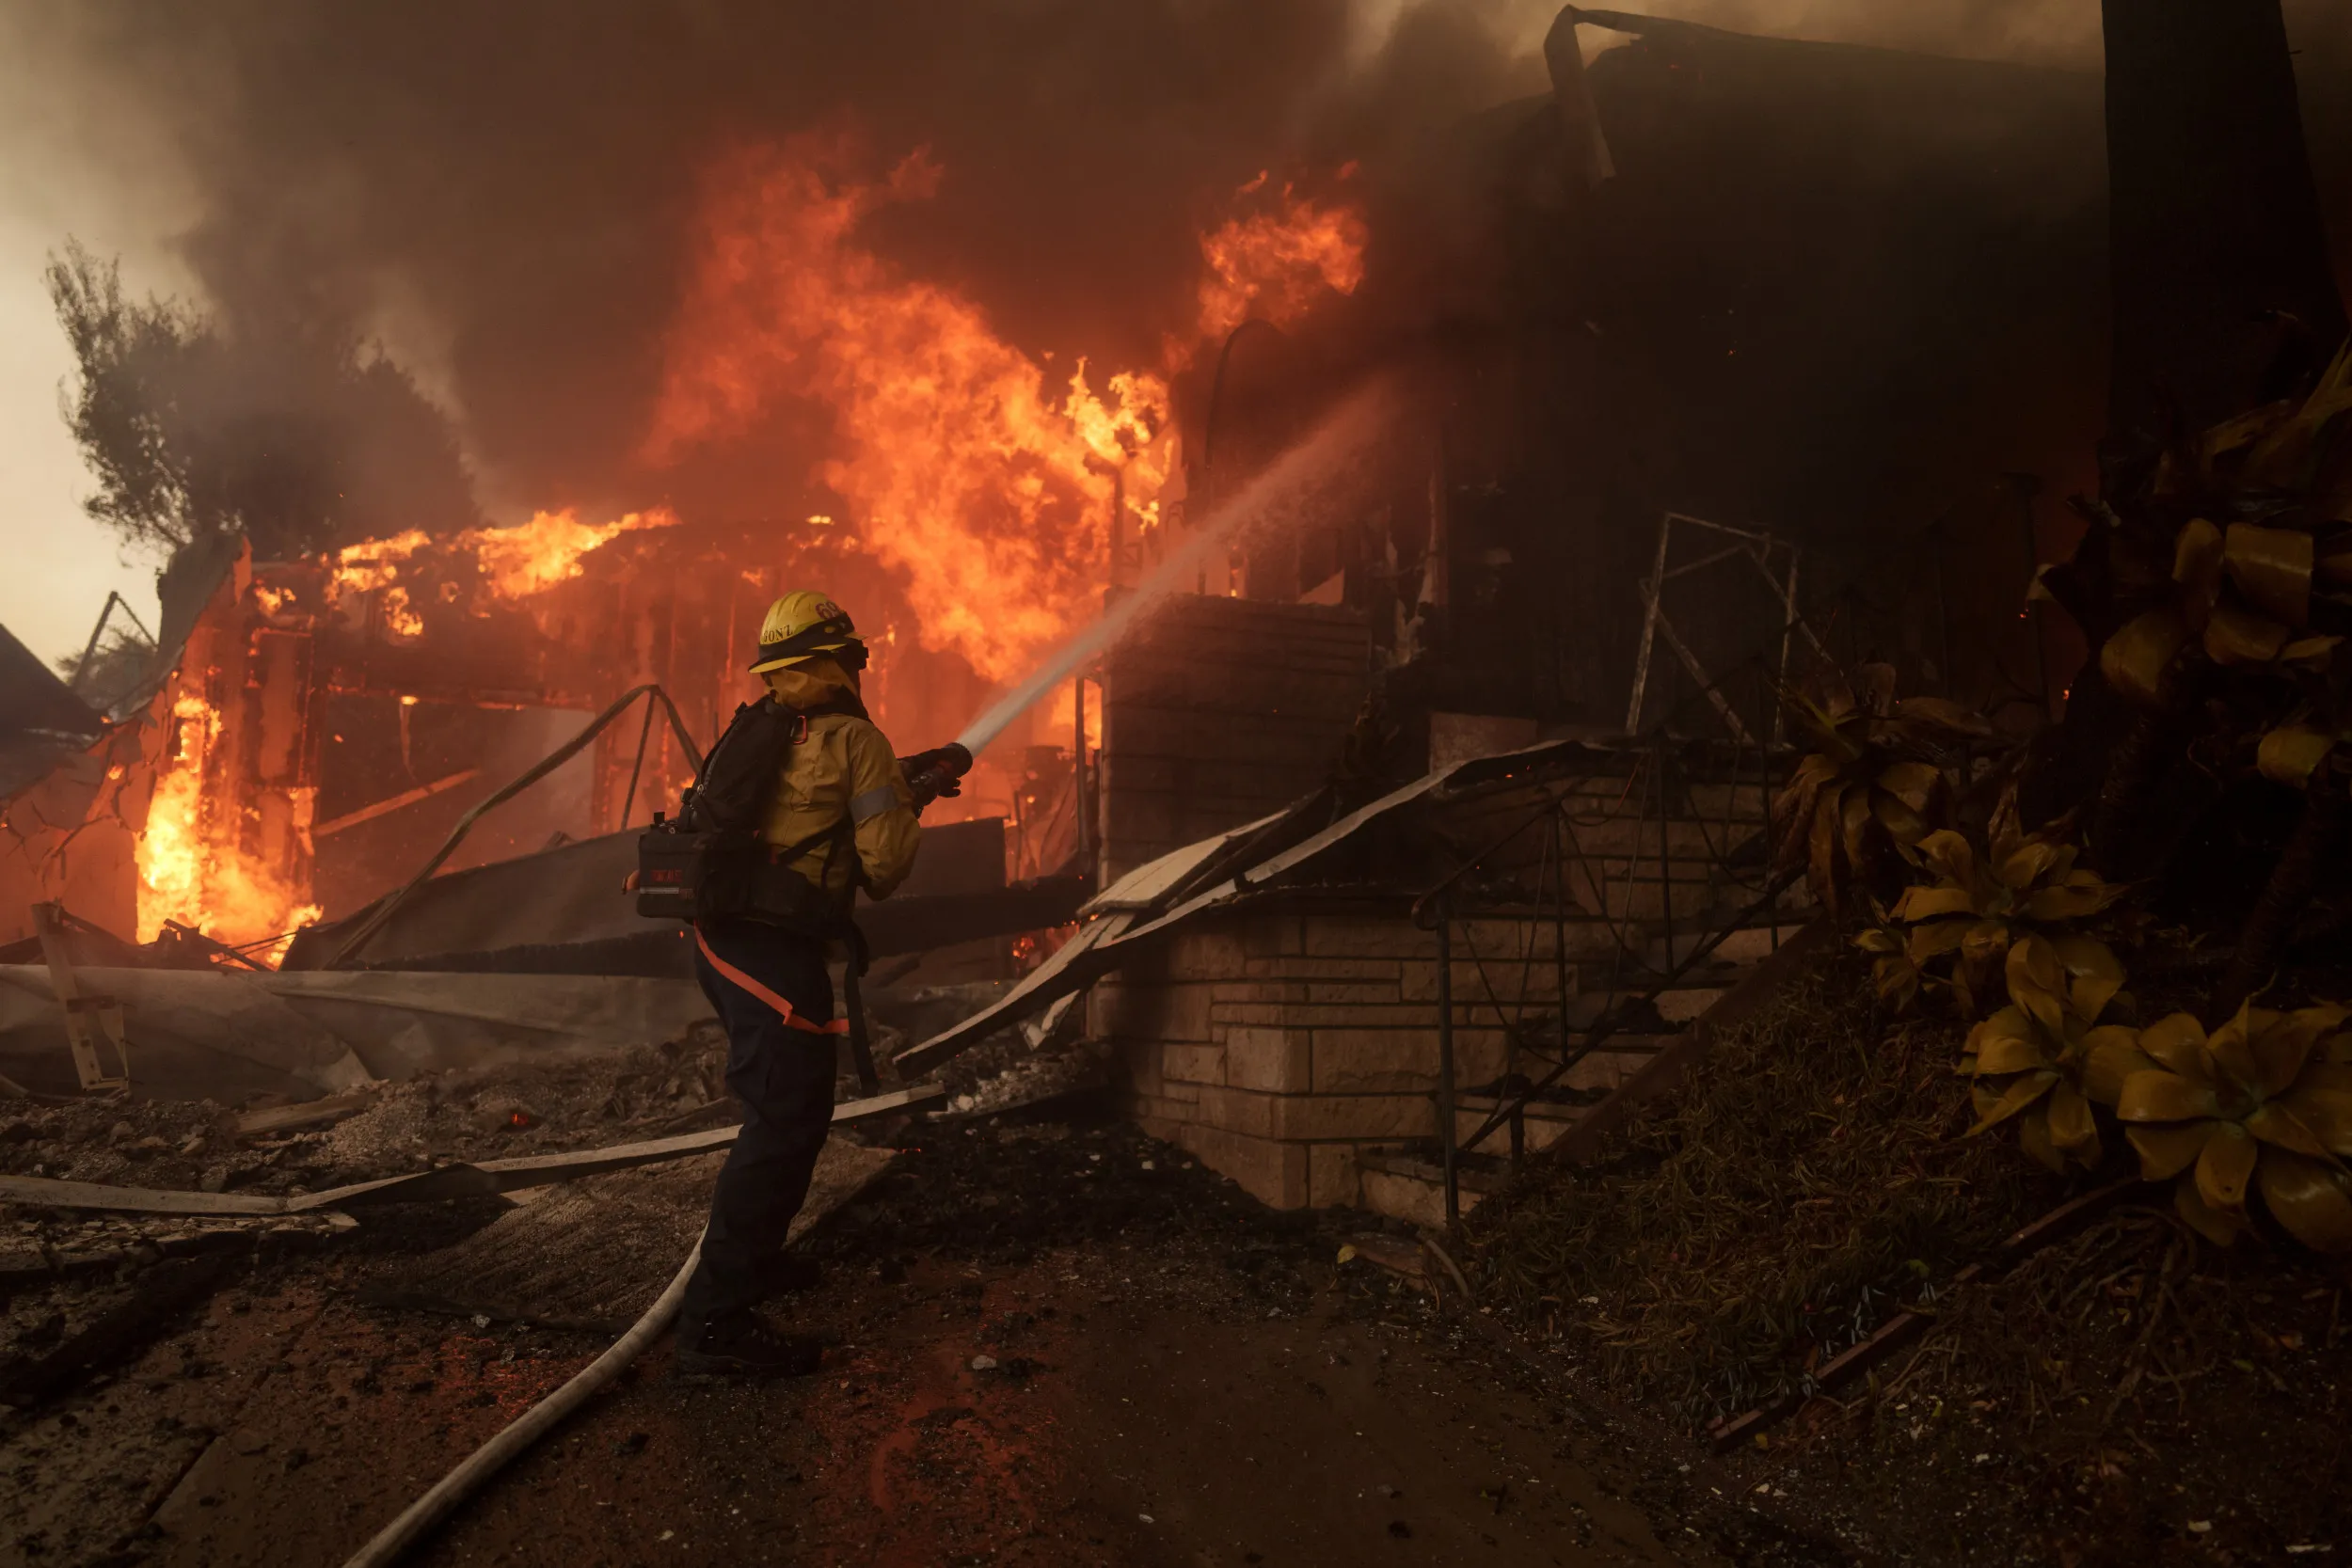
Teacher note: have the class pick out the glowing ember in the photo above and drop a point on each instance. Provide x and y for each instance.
(400, 620)
(515, 562)
(365, 567)
(190, 870)
(1277, 261)
(535, 557)
(961, 471)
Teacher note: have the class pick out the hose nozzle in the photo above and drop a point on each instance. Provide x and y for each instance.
(936, 774)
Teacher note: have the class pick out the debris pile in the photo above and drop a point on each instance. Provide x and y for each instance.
(1040, 1062)
(516, 1108)
(270, 1147)
(1009, 1075)
(120, 1141)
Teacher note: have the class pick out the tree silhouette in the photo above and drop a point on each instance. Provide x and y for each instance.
(298, 435)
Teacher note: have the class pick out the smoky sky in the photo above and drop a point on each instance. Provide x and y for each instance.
(509, 187)
(502, 190)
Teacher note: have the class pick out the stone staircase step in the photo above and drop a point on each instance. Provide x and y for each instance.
(1682, 1004)
(1483, 1105)
(1481, 1174)
(1410, 1184)
(1742, 948)
(1542, 1130)
(1678, 1004)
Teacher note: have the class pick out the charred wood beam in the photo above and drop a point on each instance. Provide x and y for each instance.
(1640, 25)
(400, 801)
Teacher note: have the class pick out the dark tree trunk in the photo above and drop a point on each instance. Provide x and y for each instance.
(2214, 221)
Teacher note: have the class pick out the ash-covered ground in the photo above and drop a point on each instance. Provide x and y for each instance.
(1054, 1340)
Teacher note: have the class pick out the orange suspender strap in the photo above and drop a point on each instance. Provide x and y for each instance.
(783, 1009)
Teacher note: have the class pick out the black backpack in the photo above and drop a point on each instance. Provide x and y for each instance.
(709, 862)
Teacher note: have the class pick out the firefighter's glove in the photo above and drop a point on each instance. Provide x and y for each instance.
(936, 774)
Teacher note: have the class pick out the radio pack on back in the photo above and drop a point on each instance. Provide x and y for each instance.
(710, 861)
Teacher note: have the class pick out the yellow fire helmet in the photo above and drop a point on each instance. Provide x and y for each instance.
(804, 624)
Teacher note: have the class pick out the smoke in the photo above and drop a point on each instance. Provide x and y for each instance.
(502, 194)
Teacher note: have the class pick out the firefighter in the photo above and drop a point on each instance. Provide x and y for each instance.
(841, 817)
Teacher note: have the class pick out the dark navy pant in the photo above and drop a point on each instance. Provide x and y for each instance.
(775, 999)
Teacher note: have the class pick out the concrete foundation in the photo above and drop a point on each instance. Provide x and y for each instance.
(1279, 1046)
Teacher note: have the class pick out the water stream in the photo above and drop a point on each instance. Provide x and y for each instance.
(1284, 494)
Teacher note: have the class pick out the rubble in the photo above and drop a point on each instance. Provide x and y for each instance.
(488, 1129)
(1041, 1060)
(119, 1140)
(1011, 1074)
(519, 1107)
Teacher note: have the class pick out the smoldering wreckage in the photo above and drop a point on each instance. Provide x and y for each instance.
(1361, 977)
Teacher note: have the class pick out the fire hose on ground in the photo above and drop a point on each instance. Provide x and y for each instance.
(438, 1504)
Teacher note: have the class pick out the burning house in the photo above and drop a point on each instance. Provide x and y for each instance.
(1500, 631)
(1609, 519)
(321, 728)
(1674, 358)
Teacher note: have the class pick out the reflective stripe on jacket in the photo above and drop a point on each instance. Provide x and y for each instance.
(843, 772)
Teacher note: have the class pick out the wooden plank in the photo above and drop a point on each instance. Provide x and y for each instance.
(313, 1113)
(485, 1179)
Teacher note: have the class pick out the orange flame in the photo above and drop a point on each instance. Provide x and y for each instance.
(372, 565)
(959, 469)
(515, 562)
(535, 557)
(399, 619)
(190, 869)
(1276, 263)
